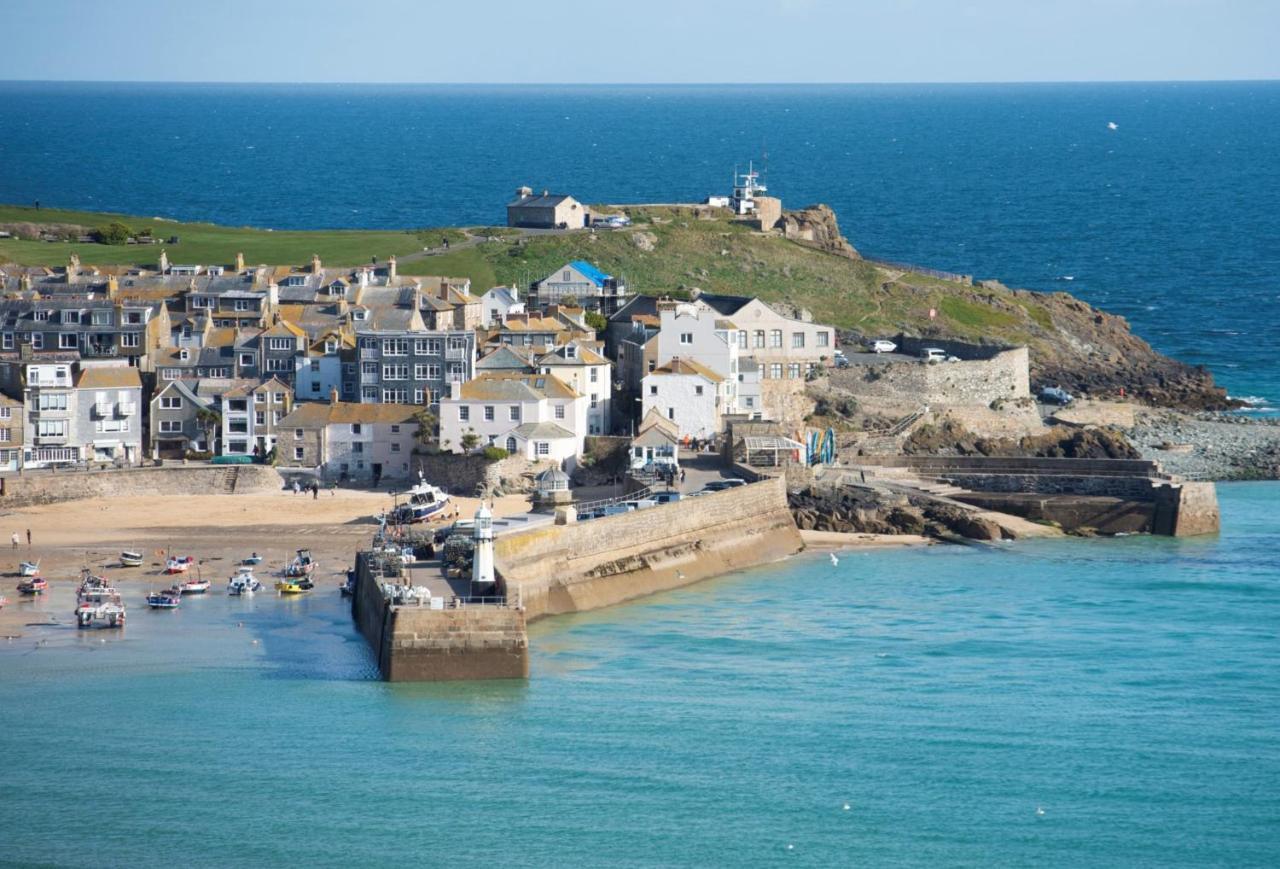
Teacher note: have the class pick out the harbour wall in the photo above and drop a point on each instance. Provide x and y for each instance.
(419, 644)
(576, 567)
(32, 488)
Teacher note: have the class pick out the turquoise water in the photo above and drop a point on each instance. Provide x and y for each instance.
(1126, 687)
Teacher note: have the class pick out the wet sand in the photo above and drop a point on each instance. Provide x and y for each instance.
(217, 530)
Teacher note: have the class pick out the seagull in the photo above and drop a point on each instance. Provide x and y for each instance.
(1112, 125)
(835, 562)
(1039, 812)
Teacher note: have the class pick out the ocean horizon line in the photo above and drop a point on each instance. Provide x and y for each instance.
(640, 84)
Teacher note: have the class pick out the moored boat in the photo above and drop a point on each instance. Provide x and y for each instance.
(193, 585)
(99, 603)
(167, 599)
(33, 585)
(294, 586)
(178, 564)
(253, 559)
(425, 503)
(29, 568)
(302, 565)
(244, 583)
(130, 558)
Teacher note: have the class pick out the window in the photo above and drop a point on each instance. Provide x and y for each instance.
(433, 372)
(297, 434)
(102, 318)
(464, 413)
(170, 402)
(457, 342)
(595, 375)
(279, 366)
(775, 371)
(37, 341)
(7, 341)
(242, 305)
(356, 428)
(170, 426)
(697, 390)
(68, 341)
(260, 418)
(40, 316)
(742, 339)
(71, 316)
(595, 402)
(201, 302)
(51, 428)
(6, 412)
(280, 344)
(543, 448)
(686, 337)
(297, 454)
(488, 413)
(395, 346)
(759, 338)
(824, 339)
(133, 318)
(315, 386)
(513, 413)
(171, 374)
(395, 446)
(559, 411)
(53, 401)
(511, 445)
(419, 371)
(184, 355)
(130, 339)
(671, 413)
(793, 370)
(259, 398)
(797, 340)
(5, 435)
(418, 396)
(277, 397)
(775, 338)
(357, 447)
(275, 417)
(653, 390)
(246, 360)
(395, 372)
(395, 396)
(567, 277)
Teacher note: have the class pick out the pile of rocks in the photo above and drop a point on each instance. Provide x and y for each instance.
(1209, 446)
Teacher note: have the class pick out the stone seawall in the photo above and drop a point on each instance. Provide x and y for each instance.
(976, 382)
(33, 488)
(418, 644)
(573, 568)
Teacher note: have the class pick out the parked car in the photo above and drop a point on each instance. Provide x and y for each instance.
(1056, 395)
(933, 354)
(841, 360)
(721, 485)
(883, 346)
(666, 497)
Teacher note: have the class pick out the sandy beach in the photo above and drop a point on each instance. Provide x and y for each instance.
(217, 530)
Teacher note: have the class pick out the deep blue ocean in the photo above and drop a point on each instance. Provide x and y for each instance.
(1171, 219)
(1067, 703)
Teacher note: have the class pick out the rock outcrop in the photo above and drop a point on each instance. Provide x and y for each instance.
(816, 226)
(953, 439)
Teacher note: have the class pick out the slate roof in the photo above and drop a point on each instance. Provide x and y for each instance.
(109, 377)
(687, 367)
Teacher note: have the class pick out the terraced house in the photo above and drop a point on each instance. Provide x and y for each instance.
(409, 367)
(537, 416)
(77, 414)
(251, 416)
(91, 328)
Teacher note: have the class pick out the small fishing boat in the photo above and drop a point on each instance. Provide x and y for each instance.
(244, 583)
(193, 585)
(293, 586)
(178, 564)
(33, 585)
(29, 568)
(167, 599)
(252, 560)
(130, 558)
(97, 601)
(302, 565)
(348, 588)
(425, 503)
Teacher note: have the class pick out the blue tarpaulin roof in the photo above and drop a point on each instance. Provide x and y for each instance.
(590, 272)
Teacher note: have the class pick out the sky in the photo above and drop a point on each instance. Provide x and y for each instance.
(652, 41)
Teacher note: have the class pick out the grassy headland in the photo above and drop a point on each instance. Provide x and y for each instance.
(672, 250)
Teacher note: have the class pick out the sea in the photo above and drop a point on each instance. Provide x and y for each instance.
(1169, 219)
(1044, 703)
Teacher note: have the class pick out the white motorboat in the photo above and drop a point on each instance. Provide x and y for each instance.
(244, 583)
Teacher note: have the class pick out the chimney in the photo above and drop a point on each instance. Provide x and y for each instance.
(315, 264)
(73, 269)
(362, 276)
(522, 192)
(113, 286)
(333, 396)
(273, 295)
(239, 262)
(164, 262)
(391, 269)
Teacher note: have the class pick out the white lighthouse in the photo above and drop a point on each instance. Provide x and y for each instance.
(482, 562)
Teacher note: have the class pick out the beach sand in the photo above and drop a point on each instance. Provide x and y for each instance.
(217, 530)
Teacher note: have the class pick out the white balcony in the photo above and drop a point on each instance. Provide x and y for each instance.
(126, 408)
(102, 408)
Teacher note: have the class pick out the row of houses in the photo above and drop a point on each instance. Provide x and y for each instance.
(328, 370)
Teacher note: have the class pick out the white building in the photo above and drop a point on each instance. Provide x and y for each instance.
(694, 333)
(537, 416)
(348, 441)
(688, 394)
(499, 302)
(590, 374)
(92, 415)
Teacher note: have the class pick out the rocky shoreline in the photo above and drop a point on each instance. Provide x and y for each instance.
(1209, 446)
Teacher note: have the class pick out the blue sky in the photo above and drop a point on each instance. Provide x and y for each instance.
(630, 41)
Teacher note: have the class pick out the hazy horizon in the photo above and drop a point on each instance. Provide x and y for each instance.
(661, 42)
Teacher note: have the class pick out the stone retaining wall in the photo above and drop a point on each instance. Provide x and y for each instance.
(579, 567)
(978, 382)
(477, 476)
(44, 487)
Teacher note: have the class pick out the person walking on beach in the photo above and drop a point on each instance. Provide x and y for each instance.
(15, 540)
(315, 491)
(28, 538)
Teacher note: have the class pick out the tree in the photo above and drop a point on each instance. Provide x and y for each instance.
(210, 420)
(113, 233)
(569, 301)
(470, 441)
(427, 423)
(595, 320)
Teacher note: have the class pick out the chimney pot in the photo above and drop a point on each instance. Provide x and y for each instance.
(333, 395)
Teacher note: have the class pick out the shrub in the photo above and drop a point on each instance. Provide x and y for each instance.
(113, 233)
(596, 321)
(495, 454)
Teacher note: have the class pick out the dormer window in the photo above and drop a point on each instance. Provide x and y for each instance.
(330, 347)
(359, 314)
(571, 352)
(184, 354)
(71, 316)
(40, 316)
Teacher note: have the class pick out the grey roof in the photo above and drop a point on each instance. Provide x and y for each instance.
(552, 475)
(544, 430)
(546, 200)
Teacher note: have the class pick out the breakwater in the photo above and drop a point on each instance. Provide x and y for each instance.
(570, 568)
